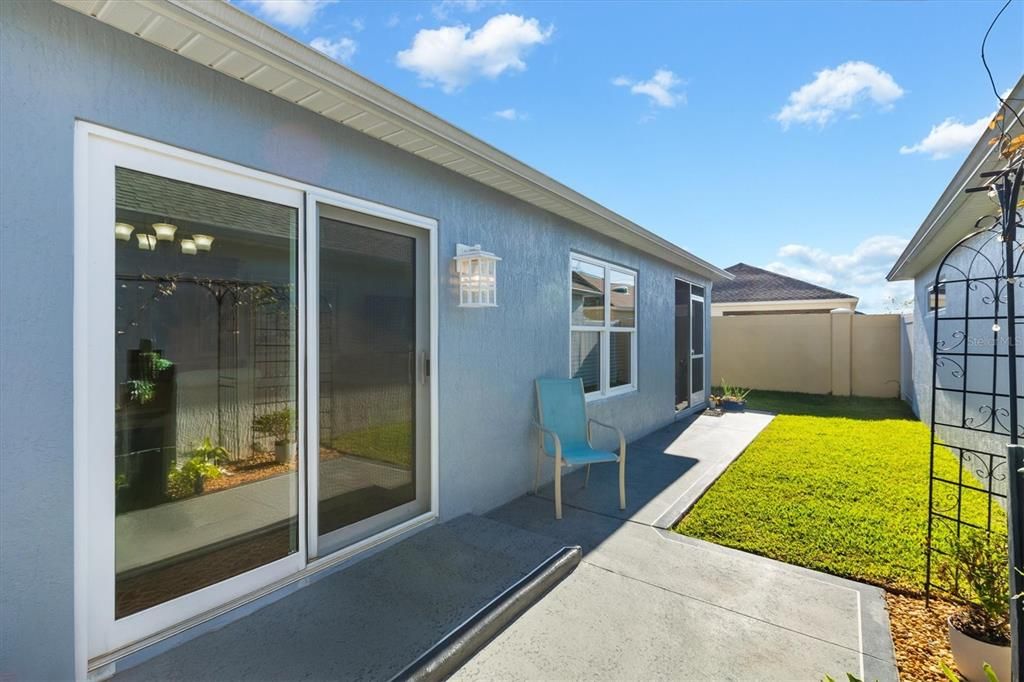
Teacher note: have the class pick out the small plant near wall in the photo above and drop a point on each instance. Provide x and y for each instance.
(142, 389)
(280, 425)
(730, 398)
(979, 632)
(203, 464)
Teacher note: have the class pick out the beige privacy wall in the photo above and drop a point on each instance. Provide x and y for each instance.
(838, 353)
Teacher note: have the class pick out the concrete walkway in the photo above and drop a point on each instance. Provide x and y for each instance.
(650, 604)
(645, 603)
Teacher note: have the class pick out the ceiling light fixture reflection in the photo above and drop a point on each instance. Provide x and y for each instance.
(147, 242)
(123, 231)
(165, 231)
(203, 241)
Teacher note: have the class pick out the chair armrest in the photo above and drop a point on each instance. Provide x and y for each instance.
(554, 436)
(622, 438)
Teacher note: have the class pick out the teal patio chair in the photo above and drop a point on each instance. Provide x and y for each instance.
(565, 431)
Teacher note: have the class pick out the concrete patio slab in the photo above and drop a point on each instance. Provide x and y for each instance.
(368, 621)
(647, 603)
(788, 599)
(666, 471)
(597, 625)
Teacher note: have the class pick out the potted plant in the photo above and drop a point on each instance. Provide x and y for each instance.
(280, 425)
(732, 398)
(979, 632)
(190, 477)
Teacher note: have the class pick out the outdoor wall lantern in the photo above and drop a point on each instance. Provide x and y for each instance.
(478, 276)
(188, 247)
(123, 231)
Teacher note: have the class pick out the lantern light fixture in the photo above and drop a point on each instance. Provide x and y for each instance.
(147, 242)
(123, 231)
(188, 247)
(478, 276)
(165, 231)
(203, 241)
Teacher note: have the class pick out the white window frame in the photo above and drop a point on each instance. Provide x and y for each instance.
(607, 329)
(100, 639)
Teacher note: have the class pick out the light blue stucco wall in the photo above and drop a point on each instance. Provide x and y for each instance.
(58, 65)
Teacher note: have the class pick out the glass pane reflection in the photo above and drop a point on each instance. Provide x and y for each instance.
(205, 357)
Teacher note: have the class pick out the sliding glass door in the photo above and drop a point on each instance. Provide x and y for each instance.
(689, 344)
(682, 346)
(206, 387)
(372, 467)
(266, 350)
(696, 345)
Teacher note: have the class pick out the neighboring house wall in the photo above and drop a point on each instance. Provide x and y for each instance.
(838, 353)
(488, 358)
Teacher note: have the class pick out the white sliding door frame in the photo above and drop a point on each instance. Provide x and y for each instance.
(100, 638)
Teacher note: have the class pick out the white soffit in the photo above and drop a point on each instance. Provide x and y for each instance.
(228, 40)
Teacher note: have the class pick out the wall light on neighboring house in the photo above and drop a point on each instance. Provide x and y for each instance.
(478, 276)
(147, 242)
(203, 241)
(188, 247)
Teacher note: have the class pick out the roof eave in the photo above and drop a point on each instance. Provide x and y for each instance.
(478, 160)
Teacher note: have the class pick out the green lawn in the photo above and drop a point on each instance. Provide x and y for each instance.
(834, 484)
(391, 443)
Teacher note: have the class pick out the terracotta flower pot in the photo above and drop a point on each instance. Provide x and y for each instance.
(971, 654)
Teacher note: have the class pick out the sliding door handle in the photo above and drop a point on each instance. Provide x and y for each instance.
(424, 364)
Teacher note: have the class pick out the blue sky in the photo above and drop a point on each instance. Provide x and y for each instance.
(809, 138)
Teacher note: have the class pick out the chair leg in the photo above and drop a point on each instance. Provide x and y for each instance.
(558, 492)
(622, 478)
(586, 479)
(536, 475)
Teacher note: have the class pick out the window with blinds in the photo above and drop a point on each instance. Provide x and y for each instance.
(602, 326)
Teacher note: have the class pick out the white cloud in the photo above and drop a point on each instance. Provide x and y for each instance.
(393, 20)
(510, 114)
(290, 13)
(949, 137)
(952, 136)
(839, 90)
(660, 88)
(340, 50)
(860, 272)
(453, 56)
(358, 24)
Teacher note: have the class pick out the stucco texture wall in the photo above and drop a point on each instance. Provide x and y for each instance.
(59, 65)
(837, 353)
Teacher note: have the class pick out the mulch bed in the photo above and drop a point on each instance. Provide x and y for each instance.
(255, 468)
(919, 634)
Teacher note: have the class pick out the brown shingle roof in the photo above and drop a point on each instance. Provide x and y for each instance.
(756, 284)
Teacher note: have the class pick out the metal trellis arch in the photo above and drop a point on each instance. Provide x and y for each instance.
(977, 304)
